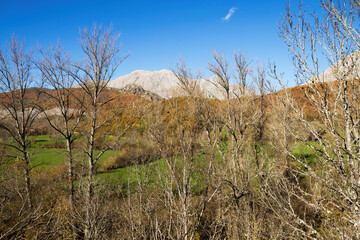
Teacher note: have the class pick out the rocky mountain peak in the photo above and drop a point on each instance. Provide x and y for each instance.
(163, 83)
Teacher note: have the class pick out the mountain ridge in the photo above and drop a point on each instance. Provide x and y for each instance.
(165, 84)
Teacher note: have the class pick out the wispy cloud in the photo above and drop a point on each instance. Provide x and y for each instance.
(230, 13)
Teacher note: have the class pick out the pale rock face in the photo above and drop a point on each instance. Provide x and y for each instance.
(347, 68)
(159, 82)
(164, 83)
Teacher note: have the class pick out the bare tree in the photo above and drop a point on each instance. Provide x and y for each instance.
(187, 184)
(220, 67)
(20, 211)
(333, 36)
(243, 119)
(101, 49)
(68, 102)
(259, 78)
(186, 80)
(18, 102)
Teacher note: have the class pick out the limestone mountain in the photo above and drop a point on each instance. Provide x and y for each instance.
(163, 83)
(346, 68)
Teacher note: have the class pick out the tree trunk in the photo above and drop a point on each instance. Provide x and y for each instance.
(27, 178)
(88, 198)
(71, 173)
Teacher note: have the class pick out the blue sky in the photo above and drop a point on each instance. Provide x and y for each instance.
(156, 33)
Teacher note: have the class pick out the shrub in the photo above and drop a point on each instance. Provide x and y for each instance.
(132, 154)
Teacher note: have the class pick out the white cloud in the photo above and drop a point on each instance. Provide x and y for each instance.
(230, 13)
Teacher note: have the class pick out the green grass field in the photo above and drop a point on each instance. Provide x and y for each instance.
(123, 178)
(45, 158)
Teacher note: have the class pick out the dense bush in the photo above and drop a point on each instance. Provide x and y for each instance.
(132, 154)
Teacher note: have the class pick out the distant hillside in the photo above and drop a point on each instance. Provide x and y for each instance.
(132, 93)
(119, 98)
